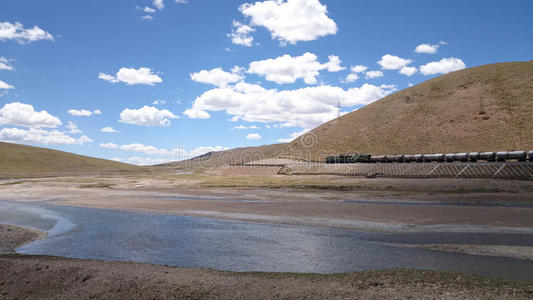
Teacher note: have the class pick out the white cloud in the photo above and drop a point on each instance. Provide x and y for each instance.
(353, 76)
(73, 127)
(217, 76)
(20, 34)
(132, 76)
(287, 69)
(305, 107)
(21, 114)
(159, 102)
(240, 34)
(4, 64)
(148, 10)
(445, 65)
(182, 1)
(109, 129)
(291, 21)
(5, 86)
(144, 18)
(358, 69)
(147, 116)
(242, 127)
(109, 145)
(392, 62)
(83, 112)
(426, 48)
(107, 77)
(373, 74)
(196, 114)
(408, 71)
(40, 136)
(253, 136)
(158, 4)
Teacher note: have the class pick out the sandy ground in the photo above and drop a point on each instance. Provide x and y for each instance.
(12, 237)
(45, 277)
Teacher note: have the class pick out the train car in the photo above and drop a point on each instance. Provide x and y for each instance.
(449, 157)
(511, 155)
(409, 158)
(530, 155)
(347, 159)
(434, 157)
(487, 156)
(462, 157)
(472, 156)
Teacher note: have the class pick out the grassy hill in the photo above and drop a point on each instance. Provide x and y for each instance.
(27, 161)
(228, 157)
(441, 115)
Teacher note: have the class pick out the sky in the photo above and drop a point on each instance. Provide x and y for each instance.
(150, 81)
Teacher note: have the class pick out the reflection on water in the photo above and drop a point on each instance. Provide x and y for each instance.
(245, 246)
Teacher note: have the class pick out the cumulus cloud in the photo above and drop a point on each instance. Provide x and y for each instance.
(408, 71)
(147, 116)
(40, 136)
(253, 136)
(217, 76)
(373, 74)
(158, 4)
(444, 66)
(83, 112)
(21, 114)
(144, 18)
(305, 107)
(242, 127)
(109, 129)
(5, 86)
(18, 33)
(4, 64)
(132, 76)
(147, 9)
(240, 34)
(392, 62)
(287, 69)
(354, 71)
(73, 128)
(291, 21)
(428, 48)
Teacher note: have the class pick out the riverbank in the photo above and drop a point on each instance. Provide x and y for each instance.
(12, 237)
(393, 205)
(45, 277)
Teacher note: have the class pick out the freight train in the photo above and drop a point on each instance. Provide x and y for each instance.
(501, 156)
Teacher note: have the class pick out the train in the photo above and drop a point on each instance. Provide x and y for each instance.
(500, 156)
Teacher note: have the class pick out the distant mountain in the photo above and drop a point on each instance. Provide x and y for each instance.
(483, 108)
(27, 161)
(229, 157)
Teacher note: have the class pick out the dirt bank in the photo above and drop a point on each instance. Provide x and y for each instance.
(12, 237)
(38, 277)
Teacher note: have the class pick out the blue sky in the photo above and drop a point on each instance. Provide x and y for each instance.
(174, 79)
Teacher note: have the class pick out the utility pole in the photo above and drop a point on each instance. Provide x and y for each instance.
(339, 108)
(481, 107)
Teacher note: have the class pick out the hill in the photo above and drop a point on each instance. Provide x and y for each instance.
(229, 157)
(441, 115)
(27, 161)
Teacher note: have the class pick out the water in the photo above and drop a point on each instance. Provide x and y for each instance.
(246, 246)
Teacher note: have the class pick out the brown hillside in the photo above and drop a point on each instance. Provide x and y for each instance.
(27, 161)
(441, 115)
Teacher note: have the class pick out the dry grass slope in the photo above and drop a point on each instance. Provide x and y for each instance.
(441, 115)
(27, 161)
